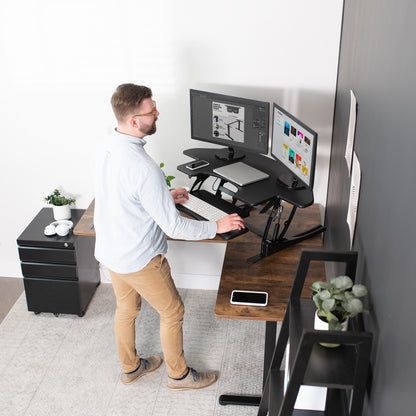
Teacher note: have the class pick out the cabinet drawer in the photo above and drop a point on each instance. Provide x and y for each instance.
(47, 255)
(47, 295)
(49, 271)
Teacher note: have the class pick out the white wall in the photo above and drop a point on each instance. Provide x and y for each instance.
(61, 61)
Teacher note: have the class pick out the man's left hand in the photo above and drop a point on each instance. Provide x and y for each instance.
(179, 195)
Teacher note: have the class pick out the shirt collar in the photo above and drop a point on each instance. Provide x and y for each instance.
(128, 138)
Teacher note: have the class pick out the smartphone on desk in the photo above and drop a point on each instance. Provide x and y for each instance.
(249, 298)
(197, 164)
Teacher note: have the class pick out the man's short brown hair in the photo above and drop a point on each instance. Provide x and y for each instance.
(127, 98)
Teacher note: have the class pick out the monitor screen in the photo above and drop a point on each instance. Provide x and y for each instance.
(294, 145)
(238, 123)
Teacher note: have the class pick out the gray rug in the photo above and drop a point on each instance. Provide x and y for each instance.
(68, 365)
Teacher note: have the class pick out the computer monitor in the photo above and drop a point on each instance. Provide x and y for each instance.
(240, 124)
(294, 146)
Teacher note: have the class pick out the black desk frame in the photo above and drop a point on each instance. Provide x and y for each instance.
(270, 192)
(269, 347)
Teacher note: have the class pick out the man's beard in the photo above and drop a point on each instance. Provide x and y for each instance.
(151, 129)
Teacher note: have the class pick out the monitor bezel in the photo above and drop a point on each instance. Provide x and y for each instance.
(236, 100)
(301, 183)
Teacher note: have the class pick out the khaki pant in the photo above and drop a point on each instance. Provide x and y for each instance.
(155, 284)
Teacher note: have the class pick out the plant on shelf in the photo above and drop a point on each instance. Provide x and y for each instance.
(338, 300)
(168, 178)
(60, 205)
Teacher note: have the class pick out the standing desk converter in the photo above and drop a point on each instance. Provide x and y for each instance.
(267, 195)
(255, 193)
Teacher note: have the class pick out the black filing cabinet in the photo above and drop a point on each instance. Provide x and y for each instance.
(60, 274)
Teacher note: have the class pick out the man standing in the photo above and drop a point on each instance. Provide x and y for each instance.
(134, 211)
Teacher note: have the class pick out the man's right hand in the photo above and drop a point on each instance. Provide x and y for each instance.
(229, 223)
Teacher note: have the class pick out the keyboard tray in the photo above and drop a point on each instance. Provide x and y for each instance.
(220, 204)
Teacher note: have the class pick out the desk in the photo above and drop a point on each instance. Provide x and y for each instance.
(273, 274)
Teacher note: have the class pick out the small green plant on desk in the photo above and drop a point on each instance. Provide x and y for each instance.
(168, 178)
(55, 198)
(338, 300)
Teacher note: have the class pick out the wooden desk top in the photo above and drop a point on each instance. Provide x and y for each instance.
(273, 274)
(85, 225)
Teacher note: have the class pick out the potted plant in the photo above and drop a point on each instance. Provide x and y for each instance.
(168, 178)
(338, 300)
(60, 204)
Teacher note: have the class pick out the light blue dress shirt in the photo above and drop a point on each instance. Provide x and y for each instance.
(134, 210)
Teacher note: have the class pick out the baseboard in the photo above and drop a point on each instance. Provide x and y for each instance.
(11, 269)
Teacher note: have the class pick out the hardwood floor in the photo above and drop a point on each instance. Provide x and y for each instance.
(10, 290)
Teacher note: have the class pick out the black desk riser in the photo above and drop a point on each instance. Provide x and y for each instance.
(270, 192)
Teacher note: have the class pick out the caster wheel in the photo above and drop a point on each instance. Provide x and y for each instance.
(81, 314)
(36, 313)
(56, 314)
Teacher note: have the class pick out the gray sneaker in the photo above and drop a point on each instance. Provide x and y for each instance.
(193, 380)
(147, 365)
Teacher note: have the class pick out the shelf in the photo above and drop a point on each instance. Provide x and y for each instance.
(327, 367)
(342, 370)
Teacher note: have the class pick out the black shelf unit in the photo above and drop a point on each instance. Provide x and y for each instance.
(60, 274)
(343, 370)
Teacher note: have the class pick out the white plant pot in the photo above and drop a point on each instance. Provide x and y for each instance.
(62, 212)
(324, 326)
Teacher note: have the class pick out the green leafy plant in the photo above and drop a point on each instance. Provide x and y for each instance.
(55, 198)
(169, 178)
(338, 300)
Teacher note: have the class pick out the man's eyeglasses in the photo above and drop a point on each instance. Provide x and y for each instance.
(154, 113)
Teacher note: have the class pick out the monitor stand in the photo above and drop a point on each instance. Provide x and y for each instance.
(229, 154)
(289, 182)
